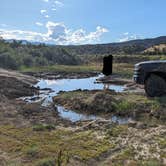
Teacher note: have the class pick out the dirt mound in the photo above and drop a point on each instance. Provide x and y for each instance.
(13, 84)
(24, 78)
(88, 101)
(100, 101)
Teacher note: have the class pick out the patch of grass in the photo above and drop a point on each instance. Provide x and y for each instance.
(129, 103)
(124, 106)
(155, 105)
(73, 94)
(63, 68)
(119, 103)
(150, 162)
(160, 100)
(124, 70)
(46, 162)
(28, 144)
(162, 142)
(126, 154)
(32, 151)
(117, 131)
(41, 127)
(162, 153)
(97, 102)
(152, 149)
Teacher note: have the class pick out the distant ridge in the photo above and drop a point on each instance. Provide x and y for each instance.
(129, 47)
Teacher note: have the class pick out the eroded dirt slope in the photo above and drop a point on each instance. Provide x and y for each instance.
(14, 84)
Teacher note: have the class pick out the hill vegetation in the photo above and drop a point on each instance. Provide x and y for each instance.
(22, 54)
(128, 47)
(157, 49)
(14, 55)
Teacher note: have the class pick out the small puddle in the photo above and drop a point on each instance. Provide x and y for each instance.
(56, 86)
(74, 116)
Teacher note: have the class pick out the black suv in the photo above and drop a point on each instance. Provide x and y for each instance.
(152, 74)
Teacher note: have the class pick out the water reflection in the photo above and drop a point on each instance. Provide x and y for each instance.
(74, 116)
(55, 86)
(72, 84)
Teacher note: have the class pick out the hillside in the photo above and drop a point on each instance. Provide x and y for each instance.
(129, 47)
(18, 54)
(14, 55)
(156, 49)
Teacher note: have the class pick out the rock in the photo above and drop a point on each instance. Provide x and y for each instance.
(164, 161)
(132, 123)
(3, 161)
(141, 125)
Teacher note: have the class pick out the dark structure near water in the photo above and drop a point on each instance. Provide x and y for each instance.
(107, 65)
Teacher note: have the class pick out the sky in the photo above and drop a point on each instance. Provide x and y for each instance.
(73, 22)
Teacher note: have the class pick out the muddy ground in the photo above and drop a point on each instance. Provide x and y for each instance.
(61, 75)
(34, 135)
(127, 103)
(14, 85)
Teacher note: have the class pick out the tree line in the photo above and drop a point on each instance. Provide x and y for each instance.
(15, 54)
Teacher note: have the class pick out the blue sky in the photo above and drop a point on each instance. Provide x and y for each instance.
(82, 21)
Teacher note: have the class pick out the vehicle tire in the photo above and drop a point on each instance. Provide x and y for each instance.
(155, 86)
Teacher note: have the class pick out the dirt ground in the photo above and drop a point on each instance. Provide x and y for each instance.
(34, 135)
(14, 111)
(61, 75)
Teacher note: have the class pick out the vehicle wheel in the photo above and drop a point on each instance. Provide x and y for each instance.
(155, 86)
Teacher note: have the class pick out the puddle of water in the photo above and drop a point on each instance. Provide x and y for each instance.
(73, 84)
(36, 98)
(74, 116)
(70, 85)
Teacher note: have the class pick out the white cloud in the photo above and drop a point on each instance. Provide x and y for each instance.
(126, 33)
(55, 29)
(96, 35)
(46, 0)
(43, 11)
(53, 5)
(21, 35)
(127, 36)
(59, 4)
(63, 35)
(46, 16)
(3, 25)
(39, 23)
(53, 9)
(57, 33)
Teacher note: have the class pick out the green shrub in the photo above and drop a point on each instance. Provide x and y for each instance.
(41, 127)
(124, 106)
(32, 151)
(46, 162)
